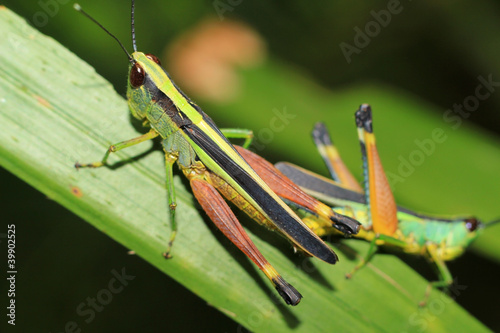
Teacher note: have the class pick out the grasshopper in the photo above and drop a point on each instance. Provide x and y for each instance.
(213, 167)
(383, 222)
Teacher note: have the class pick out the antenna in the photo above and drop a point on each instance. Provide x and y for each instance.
(78, 8)
(132, 20)
(490, 223)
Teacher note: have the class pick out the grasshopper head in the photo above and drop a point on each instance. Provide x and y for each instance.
(474, 228)
(140, 91)
(462, 234)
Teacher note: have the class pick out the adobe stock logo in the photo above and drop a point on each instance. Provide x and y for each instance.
(471, 103)
(277, 123)
(223, 6)
(49, 9)
(454, 117)
(88, 309)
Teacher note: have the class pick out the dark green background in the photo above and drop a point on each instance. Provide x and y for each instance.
(432, 50)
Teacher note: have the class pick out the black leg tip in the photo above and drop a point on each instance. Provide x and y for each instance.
(289, 294)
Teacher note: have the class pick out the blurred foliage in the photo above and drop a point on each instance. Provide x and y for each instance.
(431, 50)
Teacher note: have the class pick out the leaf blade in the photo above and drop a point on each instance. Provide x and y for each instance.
(59, 111)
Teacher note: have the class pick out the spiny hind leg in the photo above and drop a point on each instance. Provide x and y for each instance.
(326, 148)
(221, 215)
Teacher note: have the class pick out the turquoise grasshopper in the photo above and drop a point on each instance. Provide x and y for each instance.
(383, 222)
(214, 167)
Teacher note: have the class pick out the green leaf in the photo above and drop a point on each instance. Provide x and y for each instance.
(56, 110)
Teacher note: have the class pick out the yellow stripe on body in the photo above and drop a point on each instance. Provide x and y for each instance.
(163, 82)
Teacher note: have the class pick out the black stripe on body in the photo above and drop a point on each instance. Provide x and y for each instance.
(319, 185)
(168, 106)
(281, 218)
(286, 223)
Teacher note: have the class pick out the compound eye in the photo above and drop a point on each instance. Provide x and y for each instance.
(153, 57)
(471, 224)
(137, 76)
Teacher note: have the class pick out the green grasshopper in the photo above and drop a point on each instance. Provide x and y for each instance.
(213, 167)
(383, 222)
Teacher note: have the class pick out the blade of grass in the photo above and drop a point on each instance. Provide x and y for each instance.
(55, 110)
